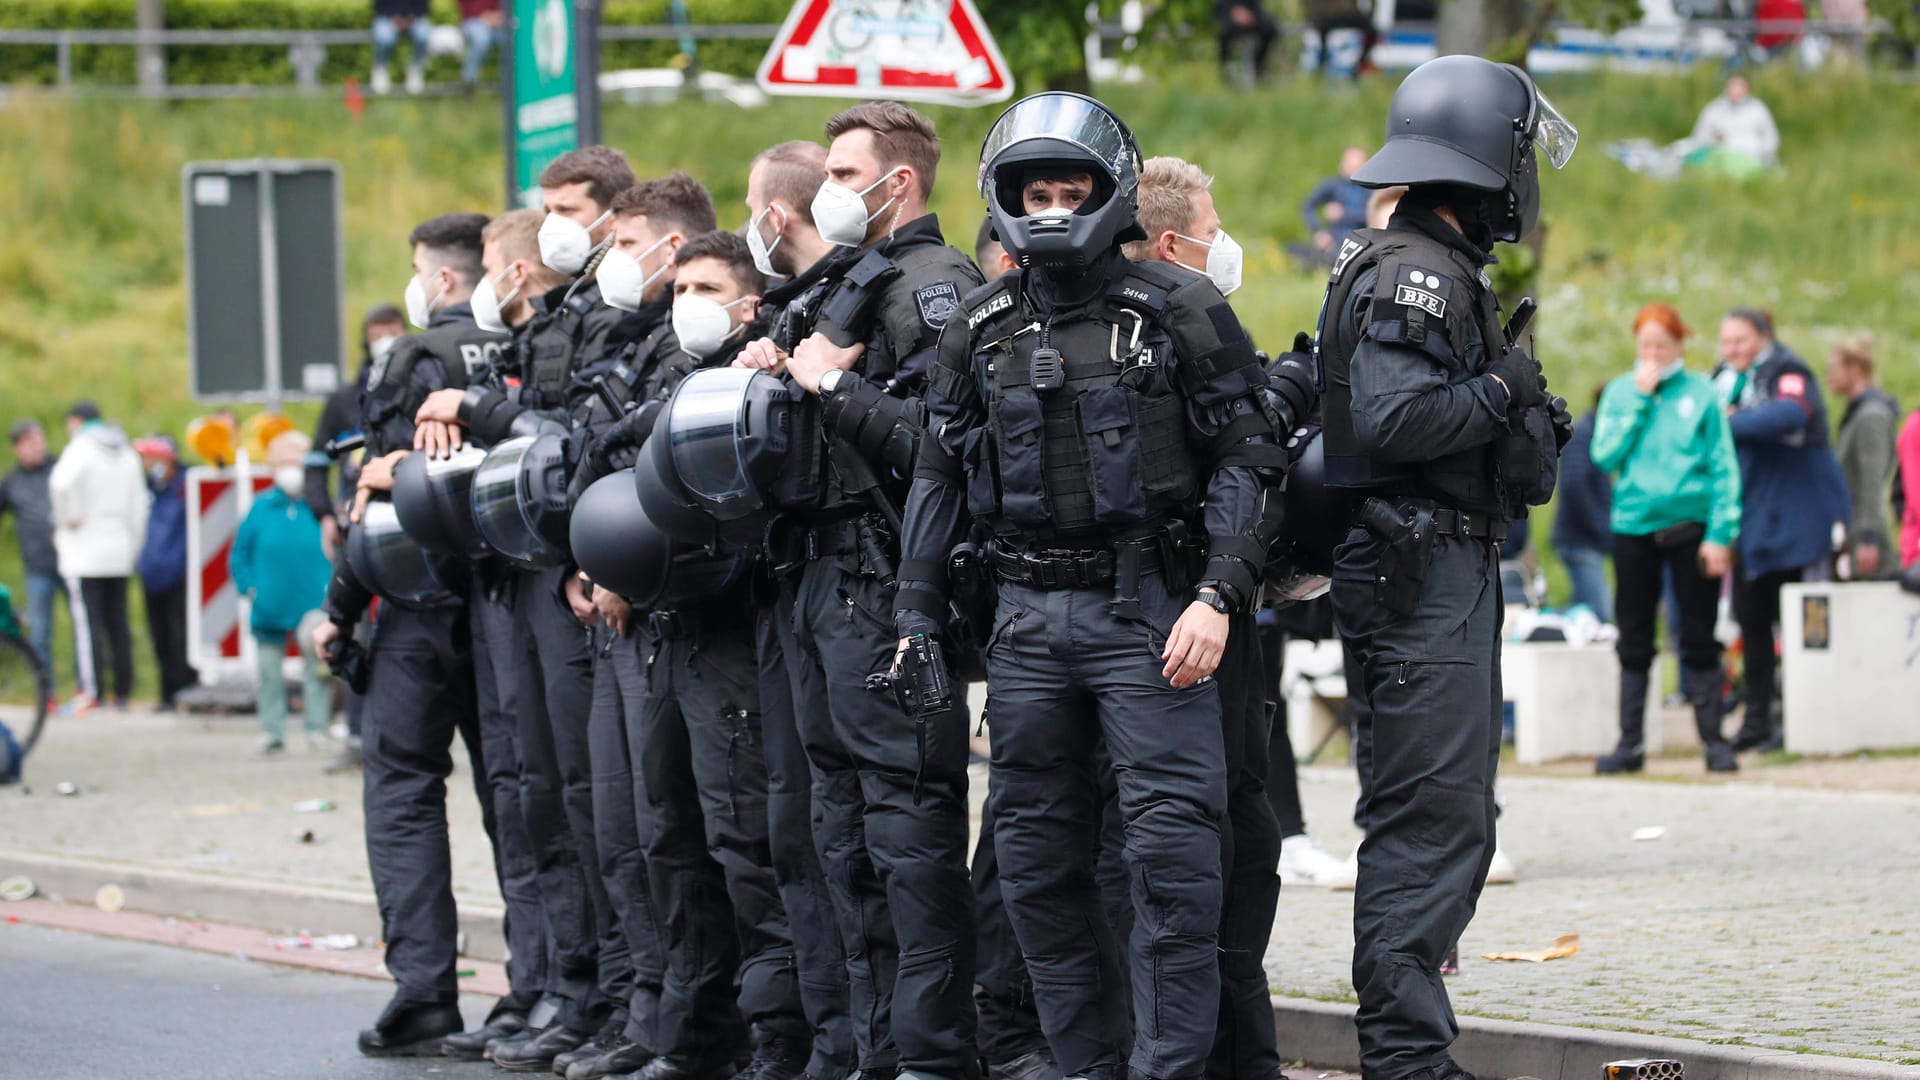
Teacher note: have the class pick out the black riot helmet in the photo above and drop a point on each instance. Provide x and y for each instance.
(520, 499)
(1051, 136)
(1467, 122)
(1317, 515)
(434, 500)
(620, 547)
(719, 447)
(388, 561)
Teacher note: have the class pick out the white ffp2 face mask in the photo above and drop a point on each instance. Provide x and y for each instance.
(488, 304)
(622, 283)
(758, 246)
(840, 213)
(1225, 260)
(291, 479)
(703, 325)
(565, 244)
(419, 304)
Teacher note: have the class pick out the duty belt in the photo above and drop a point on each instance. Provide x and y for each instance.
(694, 622)
(1049, 570)
(1450, 522)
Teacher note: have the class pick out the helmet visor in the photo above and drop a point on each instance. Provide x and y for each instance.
(396, 562)
(1065, 118)
(496, 504)
(1552, 133)
(702, 424)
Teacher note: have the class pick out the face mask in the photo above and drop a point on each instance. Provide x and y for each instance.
(419, 304)
(622, 284)
(487, 305)
(702, 325)
(565, 244)
(381, 346)
(840, 213)
(1224, 259)
(757, 244)
(291, 479)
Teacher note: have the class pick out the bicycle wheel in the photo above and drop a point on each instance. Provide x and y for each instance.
(25, 685)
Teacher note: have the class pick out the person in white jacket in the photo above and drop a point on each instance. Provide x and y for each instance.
(99, 495)
(1740, 122)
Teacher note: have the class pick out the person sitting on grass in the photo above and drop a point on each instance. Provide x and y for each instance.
(278, 565)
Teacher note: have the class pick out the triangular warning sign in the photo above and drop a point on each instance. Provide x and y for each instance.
(913, 50)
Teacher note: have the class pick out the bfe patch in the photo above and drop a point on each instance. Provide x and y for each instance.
(938, 302)
(1422, 289)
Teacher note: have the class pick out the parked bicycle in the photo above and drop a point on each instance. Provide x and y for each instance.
(25, 685)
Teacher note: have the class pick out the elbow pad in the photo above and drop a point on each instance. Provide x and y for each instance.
(1291, 389)
(883, 428)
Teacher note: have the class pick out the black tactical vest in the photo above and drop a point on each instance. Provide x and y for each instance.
(466, 355)
(1086, 436)
(1404, 311)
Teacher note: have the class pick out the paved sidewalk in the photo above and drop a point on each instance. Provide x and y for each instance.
(1768, 915)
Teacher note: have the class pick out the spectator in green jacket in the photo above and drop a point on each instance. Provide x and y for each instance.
(1662, 434)
(277, 563)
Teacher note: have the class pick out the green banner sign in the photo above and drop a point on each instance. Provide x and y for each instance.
(543, 121)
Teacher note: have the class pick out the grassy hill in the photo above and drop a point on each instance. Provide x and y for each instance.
(91, 300)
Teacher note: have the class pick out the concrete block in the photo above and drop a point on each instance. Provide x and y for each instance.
(1850, 660)
(1566, 700)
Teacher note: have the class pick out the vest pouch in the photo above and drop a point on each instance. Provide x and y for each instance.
(1113, 454)
(983, 496)
(1167, 467)
(1023, 489)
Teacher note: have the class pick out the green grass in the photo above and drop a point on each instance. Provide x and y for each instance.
(91, 302)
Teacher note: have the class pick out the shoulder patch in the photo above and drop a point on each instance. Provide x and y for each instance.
(938, 301)
(1423, 289)
(1791, 385)
(993, 307)
(1348, 249)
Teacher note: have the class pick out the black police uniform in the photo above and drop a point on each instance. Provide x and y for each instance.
(889, 793)
(1083, 417)
(1409, 329)
(420, 692)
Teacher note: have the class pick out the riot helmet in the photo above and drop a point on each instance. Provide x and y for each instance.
(1055, 135)
(434, 500)
(1469, 123)
(388, 561)
(719, 446)
(618, 545)
(520, 500)
(1317, 515)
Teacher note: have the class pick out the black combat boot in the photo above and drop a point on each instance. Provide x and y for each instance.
(1702, 686)
(1631, 755)
(411, 1029)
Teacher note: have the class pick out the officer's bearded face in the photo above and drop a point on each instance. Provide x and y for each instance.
(713, 279)
(571, 201)
(852, 163)
(1057, 193)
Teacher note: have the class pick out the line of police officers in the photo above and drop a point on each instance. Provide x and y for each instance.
(697, 565)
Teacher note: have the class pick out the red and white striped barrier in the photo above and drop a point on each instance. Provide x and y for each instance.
(217, 500)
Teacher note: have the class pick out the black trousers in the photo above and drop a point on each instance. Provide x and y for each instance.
(890, 806)
(1003, 991)
(1357, 21)
(497, 703)
(1638, 566)
(819, 957)
(555, 672)
(109, 637)
(1065, 674)
(1756, 604)
(1283, 771)
(419, 694)
(1264, 32)
(167, 629)
(710, 861)
(623, 823)
(1427, 690)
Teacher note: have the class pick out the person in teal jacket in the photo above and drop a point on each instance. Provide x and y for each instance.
(278, 564)
(1662, 435)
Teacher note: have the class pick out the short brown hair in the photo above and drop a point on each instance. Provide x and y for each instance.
(602, 168)
(516, 234)
(675, 202)
(1168, 188)
(454, 241)
(795, 171)
(1857, 353)
(900, 137)
(731, 249)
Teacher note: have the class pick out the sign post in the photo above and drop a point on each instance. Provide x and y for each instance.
(551, 96)
(936, 51)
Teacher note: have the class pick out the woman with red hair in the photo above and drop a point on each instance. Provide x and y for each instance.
(1662, 435)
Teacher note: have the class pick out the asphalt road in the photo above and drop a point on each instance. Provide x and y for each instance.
(73, 1005)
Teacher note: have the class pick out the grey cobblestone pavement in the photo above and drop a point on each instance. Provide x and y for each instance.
(1768, 914)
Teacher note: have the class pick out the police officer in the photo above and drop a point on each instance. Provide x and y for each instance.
(889, 791)
(1443, 425)
(1183, 228)
(1084, 406)
(421, 687)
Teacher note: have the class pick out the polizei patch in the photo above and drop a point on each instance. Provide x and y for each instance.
(994, 307)
(1421, 289)
(938, 302)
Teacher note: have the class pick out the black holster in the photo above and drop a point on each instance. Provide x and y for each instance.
(1407, 532)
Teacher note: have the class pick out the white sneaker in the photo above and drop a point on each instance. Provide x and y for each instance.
(382, 81)
(1502, 871)
(1305, 864)
(1344, 876)
(269, 747)
(416, 80)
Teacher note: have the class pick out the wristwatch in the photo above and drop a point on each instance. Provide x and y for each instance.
(830, 380)
(1211, 595)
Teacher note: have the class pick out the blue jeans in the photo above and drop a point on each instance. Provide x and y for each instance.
(40, 590)
(1587, 569)
(481, 38)
(386, 37)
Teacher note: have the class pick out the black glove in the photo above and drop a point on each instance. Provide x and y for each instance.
(1526, 385)
(1562, 421)
(1290, 383)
